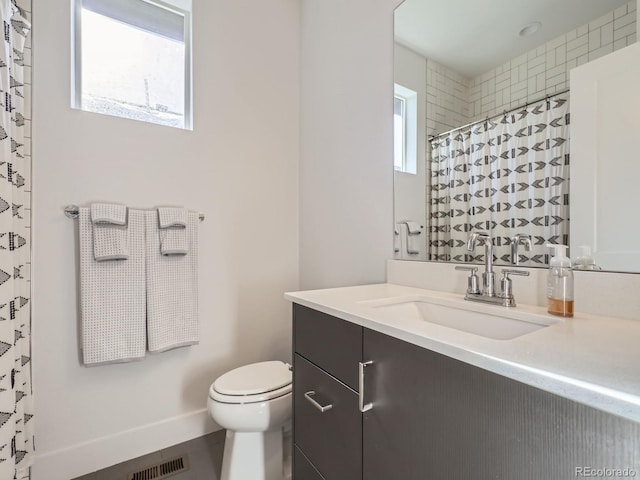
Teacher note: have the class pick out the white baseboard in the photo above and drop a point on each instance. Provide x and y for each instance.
(87, 457)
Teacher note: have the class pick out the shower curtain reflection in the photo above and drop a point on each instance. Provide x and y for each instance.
(16, 406)
(508, 175)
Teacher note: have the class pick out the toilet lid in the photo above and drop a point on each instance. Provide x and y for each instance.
(254, 379)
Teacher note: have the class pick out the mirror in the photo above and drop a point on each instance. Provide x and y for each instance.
(500, 71)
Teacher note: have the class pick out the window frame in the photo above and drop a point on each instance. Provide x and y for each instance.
(181, 7)
(409, 99)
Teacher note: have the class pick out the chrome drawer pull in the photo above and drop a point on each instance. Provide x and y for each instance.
(322, 408)
(364, 407)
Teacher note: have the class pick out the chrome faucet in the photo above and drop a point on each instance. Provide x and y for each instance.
(488, 294)
(519, 238)
(488, 277)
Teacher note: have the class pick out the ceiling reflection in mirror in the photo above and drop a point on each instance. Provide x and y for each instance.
(482, 122)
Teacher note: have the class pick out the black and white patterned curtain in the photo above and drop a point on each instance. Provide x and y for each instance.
(507, 176)
(16, 405)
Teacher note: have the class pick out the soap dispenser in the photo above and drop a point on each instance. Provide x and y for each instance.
(560, 283)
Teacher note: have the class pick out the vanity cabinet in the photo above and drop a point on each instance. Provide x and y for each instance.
(434, 417)
(325, 374)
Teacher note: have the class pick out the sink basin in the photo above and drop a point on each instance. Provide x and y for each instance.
(494, 322)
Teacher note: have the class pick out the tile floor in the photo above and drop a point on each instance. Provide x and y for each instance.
(205, 460)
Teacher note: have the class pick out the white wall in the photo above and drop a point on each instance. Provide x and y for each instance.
(411, 72)
(239, 166)
(346, 170)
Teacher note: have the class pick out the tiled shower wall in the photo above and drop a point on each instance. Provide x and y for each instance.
(453, 100)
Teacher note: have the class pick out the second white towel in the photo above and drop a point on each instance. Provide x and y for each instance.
(172, 289)
(112, 297)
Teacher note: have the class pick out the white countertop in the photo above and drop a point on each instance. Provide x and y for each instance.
(589, 359)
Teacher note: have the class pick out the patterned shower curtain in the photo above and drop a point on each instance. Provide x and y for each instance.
(16, 406)
(507, 175)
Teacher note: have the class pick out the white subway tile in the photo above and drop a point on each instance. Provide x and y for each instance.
(522, 74)
(598, 22)
(618, 44)
(519, 60)
(632, 6)
(631, 39)
(504, 76)
(601, 52)
(534, 62)
(628, 19)
(486, 76)
(541, 80)
(522, 85)
(531, 85)
(551, 59)
(514, 75)
(577, 52)
(561, 54)
(583, 30)
(620, 11)
(561, 78)
(583, 59)
(571, 35)
(577, 43)
(541, 50)
(506, 83)
(556, 42)
(517, 96)
(606, 34)
(506, 96)
(594, 39)
(533, 71)
(629, 29)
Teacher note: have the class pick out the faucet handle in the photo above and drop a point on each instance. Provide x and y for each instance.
(506, 285)
(507, 271)
(472, 281)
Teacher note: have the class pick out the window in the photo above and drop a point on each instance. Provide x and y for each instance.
(405, 129)
(133, 59)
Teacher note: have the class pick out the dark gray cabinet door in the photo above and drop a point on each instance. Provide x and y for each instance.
(331, 440)
(436, 418)
(329, 342)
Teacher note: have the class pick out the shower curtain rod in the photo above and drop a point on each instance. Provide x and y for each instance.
(431, 137)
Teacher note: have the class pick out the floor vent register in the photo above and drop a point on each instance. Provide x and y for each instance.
(162, 470)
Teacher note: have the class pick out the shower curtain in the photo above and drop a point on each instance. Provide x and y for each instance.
(16, 406)
(507, 175)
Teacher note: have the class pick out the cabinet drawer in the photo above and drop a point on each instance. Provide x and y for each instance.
(331, 440)
(303, 469)
(333, 344)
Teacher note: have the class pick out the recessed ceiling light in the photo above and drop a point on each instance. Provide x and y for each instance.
(530, 29)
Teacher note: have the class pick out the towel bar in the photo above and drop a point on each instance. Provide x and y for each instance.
(72, 211)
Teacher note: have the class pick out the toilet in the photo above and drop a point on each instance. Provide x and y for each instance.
(253, 403)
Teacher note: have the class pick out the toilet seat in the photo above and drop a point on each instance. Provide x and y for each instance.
(257, 382)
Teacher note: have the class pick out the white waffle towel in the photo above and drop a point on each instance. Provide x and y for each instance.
(172, 289)
(110, 236)
(173, 232)
(172, 217)
(112, 297)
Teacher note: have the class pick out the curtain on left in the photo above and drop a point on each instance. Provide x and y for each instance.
(16, 405)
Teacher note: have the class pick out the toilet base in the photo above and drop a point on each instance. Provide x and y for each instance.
(253, 455)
